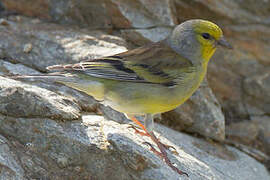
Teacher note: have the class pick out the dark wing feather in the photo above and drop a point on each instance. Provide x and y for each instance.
(147, 64)
(110, 67)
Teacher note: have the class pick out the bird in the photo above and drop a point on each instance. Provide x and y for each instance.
(148, 80)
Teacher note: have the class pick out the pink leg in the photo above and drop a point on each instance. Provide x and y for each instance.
(162, 154)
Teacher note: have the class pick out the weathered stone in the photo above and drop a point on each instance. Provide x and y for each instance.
(97, 148)
(22, 100)
(146, 14)
(254, 133)
(264, 132)
(10, 167)
(53, 44)
(239, 78)
(143, 36)
(251, 151)
(257, 92)
(15, 69)
(225, 11)
(91, 13)
(245, 132)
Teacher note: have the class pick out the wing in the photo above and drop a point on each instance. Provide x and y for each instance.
(156, 63)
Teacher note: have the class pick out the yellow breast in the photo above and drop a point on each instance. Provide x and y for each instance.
(139, 98)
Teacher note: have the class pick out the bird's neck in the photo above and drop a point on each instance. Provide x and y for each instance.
(185, 49)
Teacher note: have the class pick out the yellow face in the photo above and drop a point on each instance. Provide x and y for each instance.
(208, 34)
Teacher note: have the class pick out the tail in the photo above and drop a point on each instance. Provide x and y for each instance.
(90, 87)
(57, 77)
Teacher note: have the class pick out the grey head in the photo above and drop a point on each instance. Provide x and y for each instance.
(196, 40)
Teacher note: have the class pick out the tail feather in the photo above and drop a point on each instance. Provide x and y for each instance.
(65, 67)
(58, 76)
(90, 87)
(54, 67)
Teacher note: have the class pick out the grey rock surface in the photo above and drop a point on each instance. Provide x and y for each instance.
(10, 168)
(37, 142)
(254, 133)
(99, 148)
(53, 44)
(143, 36)
(15, 69)
(22, 100)
(257, 93)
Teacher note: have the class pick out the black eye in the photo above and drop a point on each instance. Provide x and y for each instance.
(206, 35)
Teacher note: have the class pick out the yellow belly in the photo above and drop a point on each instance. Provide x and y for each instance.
(141, 98)
(149, 100)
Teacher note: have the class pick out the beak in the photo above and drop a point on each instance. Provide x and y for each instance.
(222, 42)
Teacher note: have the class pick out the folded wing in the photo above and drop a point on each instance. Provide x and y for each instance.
(156, 64)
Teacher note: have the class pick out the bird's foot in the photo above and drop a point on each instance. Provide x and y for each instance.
(166, 146)
(138, 131)
(163, 154)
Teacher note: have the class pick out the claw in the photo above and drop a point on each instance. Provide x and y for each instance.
(163, 155)
(147, 143)
(138, 131)
(162, 147)
(153, 149)
(170, 148)
(131, 126)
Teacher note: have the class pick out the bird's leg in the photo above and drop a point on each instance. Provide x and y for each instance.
(164, 156)
(138, 123)
(149, 122)
(148, 128)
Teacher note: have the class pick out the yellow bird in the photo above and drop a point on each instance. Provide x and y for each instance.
(151, 79)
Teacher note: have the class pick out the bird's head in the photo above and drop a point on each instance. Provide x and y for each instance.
(198, 39)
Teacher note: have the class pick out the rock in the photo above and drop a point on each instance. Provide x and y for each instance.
(144, 36)
(257, 93)
(254, 133)
(99, 148)
(82, 13)
(22, 100)
(98, 14)
(238, 78)
(145, 14)
(15, 69)
(10, 167)
(39, 44)
(245, 132)
(253, 152)
(200, 114)
(225, 11)
(140, 13)
(264, 132)
(116, 116)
